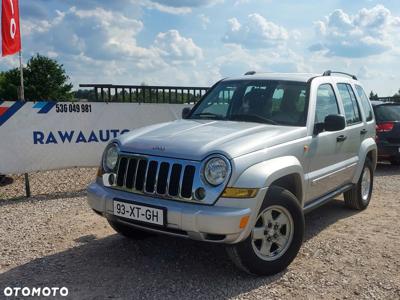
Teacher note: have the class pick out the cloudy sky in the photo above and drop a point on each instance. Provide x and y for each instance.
(196, 42)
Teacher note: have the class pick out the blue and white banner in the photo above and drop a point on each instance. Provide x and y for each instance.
(37, 136)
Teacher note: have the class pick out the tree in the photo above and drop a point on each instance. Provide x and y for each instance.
(373, 96)
(44, 79)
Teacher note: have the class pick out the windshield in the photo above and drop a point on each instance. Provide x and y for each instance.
(387, 112)
(261, 101)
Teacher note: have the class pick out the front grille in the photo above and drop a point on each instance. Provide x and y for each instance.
(156, 176)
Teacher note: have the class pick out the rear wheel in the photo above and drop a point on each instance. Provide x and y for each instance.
(360, 195)
(128, 231)
(276, 237)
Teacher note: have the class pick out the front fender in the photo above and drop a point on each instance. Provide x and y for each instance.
(263, 174)
(367, 146)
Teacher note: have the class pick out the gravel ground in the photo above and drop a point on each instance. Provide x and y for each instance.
(53, 239)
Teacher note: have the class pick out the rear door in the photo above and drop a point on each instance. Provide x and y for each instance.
(356, 128)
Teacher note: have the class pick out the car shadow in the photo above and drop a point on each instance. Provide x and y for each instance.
(158, 267)
(44, 197)
(386, 169)
(5, 180)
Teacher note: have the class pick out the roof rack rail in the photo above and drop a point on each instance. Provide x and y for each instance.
(329, 73)
(250, 73)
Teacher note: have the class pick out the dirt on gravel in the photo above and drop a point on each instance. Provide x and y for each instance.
(53, 239)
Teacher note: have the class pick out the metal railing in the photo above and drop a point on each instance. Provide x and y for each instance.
(146, 94)
(388, 99)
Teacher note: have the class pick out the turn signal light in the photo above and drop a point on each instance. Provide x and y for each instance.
(384, 127)
(231, 192)
(243, 222)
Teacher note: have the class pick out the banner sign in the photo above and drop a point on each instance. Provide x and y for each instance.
(10, 31)
(37, 136)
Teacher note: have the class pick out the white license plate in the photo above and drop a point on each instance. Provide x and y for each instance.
(141, 213)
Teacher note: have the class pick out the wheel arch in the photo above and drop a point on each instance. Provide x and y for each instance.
(286, 172)
(369, 150)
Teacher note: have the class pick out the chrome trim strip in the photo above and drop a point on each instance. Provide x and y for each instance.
(334, 173)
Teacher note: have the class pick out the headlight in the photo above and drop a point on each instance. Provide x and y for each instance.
(216, 170)
(110, 157)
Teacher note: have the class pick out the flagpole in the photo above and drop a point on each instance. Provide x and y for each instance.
(21, 72)
(22, 96)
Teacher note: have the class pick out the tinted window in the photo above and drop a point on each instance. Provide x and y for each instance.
(326, 103)
(365, 103)
(351, 109)
(261, 101)
(388, 112)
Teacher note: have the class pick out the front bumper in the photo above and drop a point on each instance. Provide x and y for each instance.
(216, 223)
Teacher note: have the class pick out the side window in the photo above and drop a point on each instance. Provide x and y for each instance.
(351, 109)
(326, 103)
(365, 103)
(220, 102)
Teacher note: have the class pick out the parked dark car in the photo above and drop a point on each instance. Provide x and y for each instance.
(387, 116)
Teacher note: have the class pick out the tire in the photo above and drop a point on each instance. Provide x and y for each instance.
(395, 161)
(128, 231)
(358, 198)
(2, 178)
(248, 256)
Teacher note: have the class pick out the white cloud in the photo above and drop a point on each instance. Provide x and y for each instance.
(256, 32)
(177, 48)
(205, 21)
(177, 7)
(369, 32)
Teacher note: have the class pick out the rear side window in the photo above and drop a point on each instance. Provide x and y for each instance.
(387, 112)
(366, 105)
(351, 109)
(326, 103)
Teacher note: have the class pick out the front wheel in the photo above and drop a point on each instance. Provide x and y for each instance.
(276, 237)
(360, 195)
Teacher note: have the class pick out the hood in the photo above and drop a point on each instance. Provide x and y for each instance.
(196, 139)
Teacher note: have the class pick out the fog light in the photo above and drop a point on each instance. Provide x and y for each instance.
(111, 179)
(200, 193)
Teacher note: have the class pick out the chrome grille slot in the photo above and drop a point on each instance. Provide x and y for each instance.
(175, 177)
(187, 182)
(162, 181)
(121, 171)
(141, 175)
(157, 176)
(131, 173)
(151, 176)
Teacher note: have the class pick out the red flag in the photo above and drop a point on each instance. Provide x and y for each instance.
(10, 30)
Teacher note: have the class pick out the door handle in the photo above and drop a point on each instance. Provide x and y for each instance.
(364, 131)
(341, 138)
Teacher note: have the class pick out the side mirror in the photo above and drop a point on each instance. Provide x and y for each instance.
(331, 123)
(186, 112)
(334, 123)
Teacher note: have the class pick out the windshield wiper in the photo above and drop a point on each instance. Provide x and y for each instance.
(252, 118)
(208, 114)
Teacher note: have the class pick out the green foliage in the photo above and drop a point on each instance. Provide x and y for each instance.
(373, 96)
(44, 79)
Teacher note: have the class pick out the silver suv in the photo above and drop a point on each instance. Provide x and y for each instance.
(244, 165)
